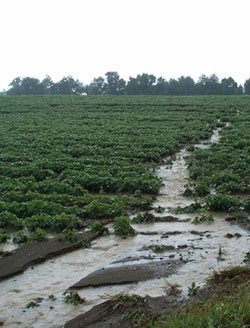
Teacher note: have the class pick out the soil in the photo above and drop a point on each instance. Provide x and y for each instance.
(159, 248)
(122, 310)
(30, 254)
(129, 273)
(242, 222)
(134, 258)
(170, 218)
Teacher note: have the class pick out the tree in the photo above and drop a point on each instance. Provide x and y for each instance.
(247, 87)
(132, 86)
(25, 86)
(68, 86)
(186, 85)
(161, 87)
(47, 84)
(230, 87)
(141, 85)
(15, 87)
(96, 87)
(114, 85)
(182, 86)
(173, 87)
(208, 85)
(3, 92)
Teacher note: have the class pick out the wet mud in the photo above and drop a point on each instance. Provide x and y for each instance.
(119, 312)
(128, 274)
(28, 255)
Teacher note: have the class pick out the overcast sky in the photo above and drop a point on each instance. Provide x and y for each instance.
(86, 38)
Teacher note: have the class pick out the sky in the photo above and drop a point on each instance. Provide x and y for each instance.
(87, 38)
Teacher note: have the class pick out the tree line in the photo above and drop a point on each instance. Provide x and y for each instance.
(144, 84)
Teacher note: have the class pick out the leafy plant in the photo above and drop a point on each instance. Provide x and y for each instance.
(3, 236)
(221, 202)
(65, 221)
(203, 218)
(193, 289)
(122, 226)
(20, 237)
(39, 235)
(85, 244)
(144, 218)
(159, 209)
(71, 297)
(97, 227)
(34, 303)
(10, 220)
(69, 236)
(159, 248)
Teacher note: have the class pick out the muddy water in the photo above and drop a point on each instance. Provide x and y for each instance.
(174, 180)
(199, 245)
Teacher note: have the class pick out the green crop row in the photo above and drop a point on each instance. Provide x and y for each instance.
(223, 171)
(95, 157)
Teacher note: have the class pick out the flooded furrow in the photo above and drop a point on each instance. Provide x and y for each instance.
(202, 248)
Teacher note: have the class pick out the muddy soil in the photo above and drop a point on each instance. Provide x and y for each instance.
(129, 274)
(243, 222)
(34, 253)
(121, 311)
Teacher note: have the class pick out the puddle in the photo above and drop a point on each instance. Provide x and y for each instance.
(200, 246)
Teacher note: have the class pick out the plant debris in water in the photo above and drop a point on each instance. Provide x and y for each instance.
(71, 297)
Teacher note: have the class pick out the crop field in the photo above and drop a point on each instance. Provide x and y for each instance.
(66, 159)
(71, 162)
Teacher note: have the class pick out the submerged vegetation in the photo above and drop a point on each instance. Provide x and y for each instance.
(72, 297)
(144, 218)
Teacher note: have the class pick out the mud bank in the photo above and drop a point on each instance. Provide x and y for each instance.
(117, 312)
(128, 274)
(28, 255)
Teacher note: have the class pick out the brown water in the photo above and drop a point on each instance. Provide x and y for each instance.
(56, 275)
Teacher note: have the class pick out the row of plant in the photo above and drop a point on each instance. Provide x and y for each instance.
(221, 173)
(122, 227)
(67, 159)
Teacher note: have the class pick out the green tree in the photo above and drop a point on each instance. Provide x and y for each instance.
(229, 87)
(208, 85)
(114, 84)
(96, 87)
(25, 86)
(247, 87)
(186, 85)
(68, 86)
(141, 85)
(47, 84)
(173, 87)
(161, 87)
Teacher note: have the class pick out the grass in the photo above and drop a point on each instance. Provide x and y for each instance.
(227, 306)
